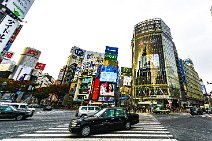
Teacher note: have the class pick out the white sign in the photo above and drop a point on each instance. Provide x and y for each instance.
(108, 77)
(7, 28)
(18, 7)
(22, 73)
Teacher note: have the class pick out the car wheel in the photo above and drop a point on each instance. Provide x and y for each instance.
(86, 130)
(19, 117)
(32, 113)
(127, 125)
(84, 115)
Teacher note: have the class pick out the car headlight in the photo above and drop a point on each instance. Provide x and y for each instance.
(74, 123)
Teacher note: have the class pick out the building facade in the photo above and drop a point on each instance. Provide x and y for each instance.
(26, 64)
(154, 64)
(191, 81)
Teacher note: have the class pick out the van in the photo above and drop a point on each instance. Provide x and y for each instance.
(87, 111)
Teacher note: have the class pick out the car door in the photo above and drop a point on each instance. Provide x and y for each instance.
(7, 112)
(90, 111)
(105, 121)
(120, 118)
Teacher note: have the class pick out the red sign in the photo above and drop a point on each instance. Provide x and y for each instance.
(40, 66)
(33, 52)
(140, 43)
(9, 55)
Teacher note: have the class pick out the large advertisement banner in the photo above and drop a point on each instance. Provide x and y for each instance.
(7, 28)
(149, 61)
(22, 73)
(18, 7)
(107, 89)
(108, 74)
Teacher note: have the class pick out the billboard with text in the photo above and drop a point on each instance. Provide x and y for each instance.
(7, 28)
(18, 7)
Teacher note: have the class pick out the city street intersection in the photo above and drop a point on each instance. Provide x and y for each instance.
(53, 126)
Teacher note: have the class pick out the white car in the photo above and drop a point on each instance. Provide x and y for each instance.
(87, 111)
(20, 106)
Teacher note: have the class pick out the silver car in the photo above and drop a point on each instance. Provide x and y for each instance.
(87, 111)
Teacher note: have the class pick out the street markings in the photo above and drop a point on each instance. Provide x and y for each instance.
(149, 129)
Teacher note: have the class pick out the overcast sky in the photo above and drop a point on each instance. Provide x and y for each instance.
(53, 27)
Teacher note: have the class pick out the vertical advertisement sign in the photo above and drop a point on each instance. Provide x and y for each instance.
(18, 7)
(7, 28)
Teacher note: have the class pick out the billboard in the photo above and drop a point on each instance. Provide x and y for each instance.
(40, 66)
(149, 61)
(91, 62)
(127, 80)
(29, 61)
(18, 7)
(7, 28)
(21, 73)
(95, 89)
(9, 55)
(106, 99)
(12, 39)
(111, 50)
(107, 89)
(108, 74)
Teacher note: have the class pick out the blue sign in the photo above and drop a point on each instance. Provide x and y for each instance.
(8, 46)
(108, 74)
(183, 70)
(111, 50)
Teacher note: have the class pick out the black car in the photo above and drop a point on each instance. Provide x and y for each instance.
(106, 119)
(196, 111)
(10, 112)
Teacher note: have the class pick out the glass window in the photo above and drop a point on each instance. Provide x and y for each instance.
(84, 108)
(90, 108)
(111, 113)
(97, 108)
(16, 106)
(120, 112)
(23, 106)
(7, 109)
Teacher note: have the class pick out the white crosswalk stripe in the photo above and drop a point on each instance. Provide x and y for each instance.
(149, 129)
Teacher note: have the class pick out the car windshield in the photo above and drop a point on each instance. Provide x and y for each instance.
(14, 108)
(98, 114)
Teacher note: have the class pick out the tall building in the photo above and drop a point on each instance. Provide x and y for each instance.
(26, 64)
(192, 84)
(154, 64)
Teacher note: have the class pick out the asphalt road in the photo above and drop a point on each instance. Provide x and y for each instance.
(53, 126)
(41, 120)
(185, 127)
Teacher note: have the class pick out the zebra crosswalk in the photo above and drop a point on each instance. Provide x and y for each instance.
(149, 129)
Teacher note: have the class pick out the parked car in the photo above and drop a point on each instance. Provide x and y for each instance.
(10, 112)
(209, 110)
(158, 110)
(21, 106)
(87, 110)
(106, 119)
(196, 111)
(47, 108)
